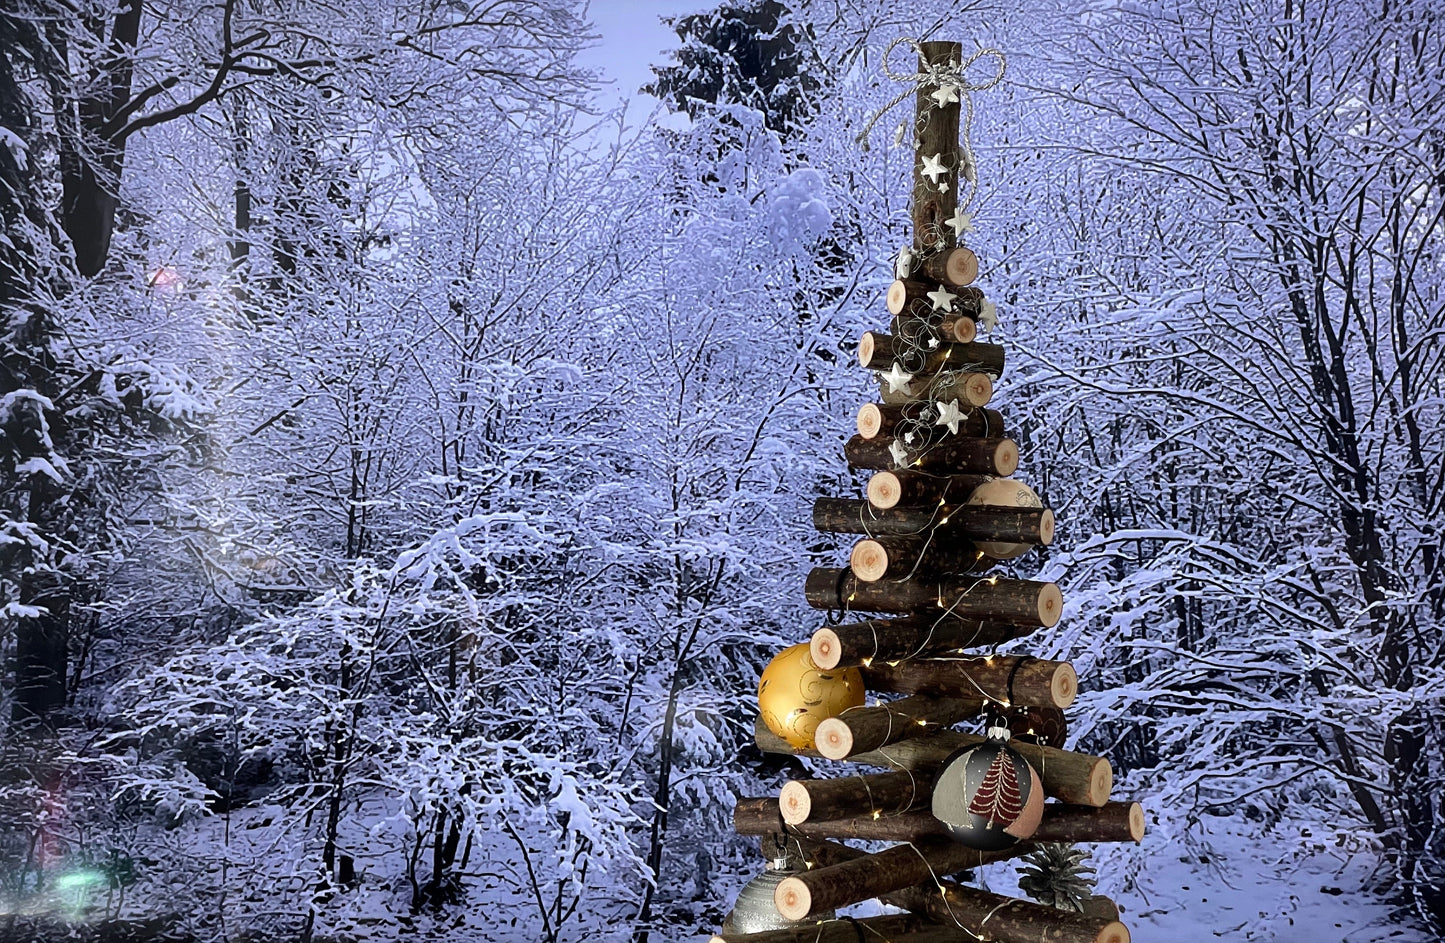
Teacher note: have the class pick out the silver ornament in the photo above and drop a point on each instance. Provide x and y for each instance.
(754, 910)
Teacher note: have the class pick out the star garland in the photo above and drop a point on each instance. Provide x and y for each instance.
(950, 85)
(916, 372)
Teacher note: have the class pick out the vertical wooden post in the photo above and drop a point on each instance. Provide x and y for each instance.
(937, 134)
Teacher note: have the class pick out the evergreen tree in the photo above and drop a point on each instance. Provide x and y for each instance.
(747, 53)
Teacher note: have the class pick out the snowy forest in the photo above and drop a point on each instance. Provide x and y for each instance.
(406, 465)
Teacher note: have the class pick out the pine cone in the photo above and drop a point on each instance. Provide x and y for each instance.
(1057, 875)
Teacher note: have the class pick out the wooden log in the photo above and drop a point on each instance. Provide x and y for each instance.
(909, 299)
(847, 796)
(928, 300)
(977, 522)
(958, 329)
(864, 729)
(935, 202)
(954, 904)
(953, 456)
(1101, 907)
(1021, 602)
(905, 293)
(1002, 679)
(1072, 778)
(878, 351)
(907, 488)
(893, 869)
(901, 558)
(955, 268)
(1071, 824)
(898, 928)
(970, 390)
(988, 916)
(859, 644)
(1110, 822)
(881, 419)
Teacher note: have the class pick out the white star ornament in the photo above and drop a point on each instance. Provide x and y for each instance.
(942, 299)
(949, 415)
(897, 380)
(933, 168)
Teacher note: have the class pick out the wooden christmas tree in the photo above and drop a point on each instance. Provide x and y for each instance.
(940, 513)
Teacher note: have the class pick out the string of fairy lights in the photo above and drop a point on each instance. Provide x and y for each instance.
(928, 369)
(925, 369)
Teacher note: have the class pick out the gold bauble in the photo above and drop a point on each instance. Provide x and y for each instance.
(795, 695)
(1004, 493)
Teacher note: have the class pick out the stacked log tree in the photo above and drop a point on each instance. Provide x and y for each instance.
(921, 559)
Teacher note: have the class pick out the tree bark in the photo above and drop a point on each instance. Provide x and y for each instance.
(877, 640)
(934, 203)
(907, 488)
(881, 419)
(903, 928)
(955, 268)
(893, 869)
(908, 296)
(954, 456)
(41, 647)
(988, 916)
(90, 159)
(1004, 679)
(864, 729)
(971, 390)
(977, 522)
(901, 558)
(954, 904)
(1072, 778)
(959, 328)
(869, 821)
(804, 800)
(882, 351)
(1021, 602)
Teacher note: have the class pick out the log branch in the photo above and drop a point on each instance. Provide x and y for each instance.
(1022, 602)
(859, 644)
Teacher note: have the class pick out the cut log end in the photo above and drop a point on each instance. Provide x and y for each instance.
(792, 899)
(962, 267)
(1006, 458)
(796, 804)
(1136, 821)
(870, 420)
(884, 490)
(897, 297)
(826, 649)
(1101, 783)
(977, 390)
(1051, 605)
(962, 330)
(1046, 528)
(869, 561)
(834, 739)
(1114, 932)
(1065, 685)
(867, 349)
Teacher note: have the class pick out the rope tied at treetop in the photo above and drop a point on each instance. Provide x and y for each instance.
(939, 75)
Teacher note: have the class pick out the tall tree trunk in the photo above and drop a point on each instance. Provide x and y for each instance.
(91, 160)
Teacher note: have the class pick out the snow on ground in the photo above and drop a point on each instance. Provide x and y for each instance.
(1222, 879)
(1225, 879)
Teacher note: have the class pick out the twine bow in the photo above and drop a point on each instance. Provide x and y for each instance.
(937, 75)
(949, 75)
